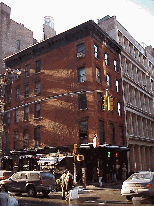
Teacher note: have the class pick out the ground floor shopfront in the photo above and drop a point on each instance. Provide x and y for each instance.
(141, 156)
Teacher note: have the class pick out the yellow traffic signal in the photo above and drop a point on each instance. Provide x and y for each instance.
(80, 157)
(75, 148)
(105, 102)
(110, 104)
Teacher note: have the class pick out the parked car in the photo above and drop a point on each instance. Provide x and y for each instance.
(140, 184)
(29, 182)
(4, 174)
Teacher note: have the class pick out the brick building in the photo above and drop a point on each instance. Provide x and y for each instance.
(137, 67)
(83, 59)
(13, 36)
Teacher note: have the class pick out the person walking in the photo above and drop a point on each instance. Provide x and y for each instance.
(114, 173)
(63, 185)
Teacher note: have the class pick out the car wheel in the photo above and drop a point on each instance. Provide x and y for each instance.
(129, 198)
(31, 192)
(45, 193)
(3, 188)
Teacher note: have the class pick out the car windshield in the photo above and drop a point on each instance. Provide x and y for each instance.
(140, 176)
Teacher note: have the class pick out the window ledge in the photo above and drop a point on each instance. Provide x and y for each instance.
(83, 109)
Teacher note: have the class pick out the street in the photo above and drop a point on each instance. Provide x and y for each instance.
(90, 196)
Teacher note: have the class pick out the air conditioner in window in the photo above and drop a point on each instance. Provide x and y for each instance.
(80, 54)
(16, 77)
(36, 91)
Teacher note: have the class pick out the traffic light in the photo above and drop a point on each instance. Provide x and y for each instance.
(105, 102)
(75, 148)
(110, 104)
(80, 157)
(108, 154)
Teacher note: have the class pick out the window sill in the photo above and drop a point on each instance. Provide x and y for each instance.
(37, 72)
(26, 76)
(83, 109)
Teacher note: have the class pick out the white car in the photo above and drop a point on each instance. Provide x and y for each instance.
(140, 184)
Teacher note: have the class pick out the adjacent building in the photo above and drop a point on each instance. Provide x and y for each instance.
(57, 98)
(137, 64)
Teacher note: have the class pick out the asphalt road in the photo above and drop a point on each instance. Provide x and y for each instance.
(91, 196)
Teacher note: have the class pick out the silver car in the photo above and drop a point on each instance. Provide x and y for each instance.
(140, 184)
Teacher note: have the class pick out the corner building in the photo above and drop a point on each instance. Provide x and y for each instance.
(83, 59)
(137, 64)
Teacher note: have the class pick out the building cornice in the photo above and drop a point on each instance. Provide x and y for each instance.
(89, 28)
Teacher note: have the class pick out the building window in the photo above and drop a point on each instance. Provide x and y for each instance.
(115, 63)
(106, 56)
(26, 111)
(18, 44)
(119, 109)
(82, 101)
(25, 139)
(8, 117)
(112, 133)
(108, 79)
(83, 132)
(7, 141)
(17, 93)
(16, 140)
(122, 135)
(117, 86)
(98, 75)
(101, 132)
(38, 66)
(26, 90)
(81, 74)
(17, 115)
(37, 90)
(37, 110)
(80, 50)
(96, 51)
(37, 137)
(100, 101)
(27, 70)
(9, 96)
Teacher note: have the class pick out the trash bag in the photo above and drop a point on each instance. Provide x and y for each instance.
(74, 193)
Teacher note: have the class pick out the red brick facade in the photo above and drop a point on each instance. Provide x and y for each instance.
(63, 72)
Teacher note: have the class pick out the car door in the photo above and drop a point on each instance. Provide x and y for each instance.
(21, 182)
(13, 182)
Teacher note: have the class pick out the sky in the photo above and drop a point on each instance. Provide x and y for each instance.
(137, 16)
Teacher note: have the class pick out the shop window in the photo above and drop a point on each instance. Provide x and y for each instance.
(82, 101)
(98, 75)
(83, 132)
(96, 51)
(38, 66)
(81, 74)
(101, 132)
(37, 137)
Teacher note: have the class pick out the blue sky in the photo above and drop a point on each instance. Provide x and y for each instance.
(137, 16)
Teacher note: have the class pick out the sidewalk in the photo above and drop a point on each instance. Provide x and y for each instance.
(96, 186)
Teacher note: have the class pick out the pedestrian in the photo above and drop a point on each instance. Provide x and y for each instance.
(63, 177)
(124, 171)
(100, 174)
(114, 173)
(68, 182)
